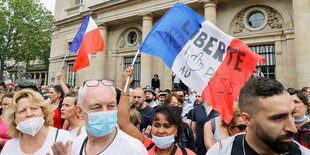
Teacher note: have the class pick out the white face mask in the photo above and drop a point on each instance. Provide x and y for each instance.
(30, 126)
(163, 142)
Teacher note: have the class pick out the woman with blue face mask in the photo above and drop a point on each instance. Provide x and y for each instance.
(167, 125)
(30, 119)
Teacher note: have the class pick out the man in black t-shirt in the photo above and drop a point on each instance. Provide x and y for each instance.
(267, 110)
(146, 111)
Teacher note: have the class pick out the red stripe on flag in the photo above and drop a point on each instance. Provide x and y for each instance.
(224, 86)
(92, 42)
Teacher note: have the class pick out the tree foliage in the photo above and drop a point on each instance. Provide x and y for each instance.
(25, 31)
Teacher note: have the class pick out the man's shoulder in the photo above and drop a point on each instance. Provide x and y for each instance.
(198, 107)
(147, 109)
(124, 137)
(128, 142)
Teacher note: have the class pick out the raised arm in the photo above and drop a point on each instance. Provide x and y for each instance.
(124, 108)
(62, 83)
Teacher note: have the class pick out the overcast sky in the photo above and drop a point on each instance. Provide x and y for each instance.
(49, 4)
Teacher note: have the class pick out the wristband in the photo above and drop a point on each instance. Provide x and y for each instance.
(125, 94)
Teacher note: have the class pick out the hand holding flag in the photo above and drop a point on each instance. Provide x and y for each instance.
(206, 59)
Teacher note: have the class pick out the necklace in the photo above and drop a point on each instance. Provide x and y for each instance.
(243, 145)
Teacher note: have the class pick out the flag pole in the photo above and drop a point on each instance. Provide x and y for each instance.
(63, 61)
(133, 62)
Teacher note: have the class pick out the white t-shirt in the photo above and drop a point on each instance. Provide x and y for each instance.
(12, 146)
(74, 132)
(122, 144)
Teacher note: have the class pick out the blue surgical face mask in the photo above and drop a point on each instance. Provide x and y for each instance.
(163, 142)
(101, 123)
(300, 119)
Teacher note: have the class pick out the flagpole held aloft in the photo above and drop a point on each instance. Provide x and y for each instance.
(133, 62)
(63, 61)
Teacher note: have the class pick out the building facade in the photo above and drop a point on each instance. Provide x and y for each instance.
(275, 29)
(35, 72)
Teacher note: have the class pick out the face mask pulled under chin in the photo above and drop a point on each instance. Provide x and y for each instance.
(101, 123)
(163, 142)
(31, 126)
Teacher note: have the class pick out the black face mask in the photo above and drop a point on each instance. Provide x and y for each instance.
(180, 109)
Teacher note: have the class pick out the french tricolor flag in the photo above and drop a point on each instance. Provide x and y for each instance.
(206, 59)
(87, 40)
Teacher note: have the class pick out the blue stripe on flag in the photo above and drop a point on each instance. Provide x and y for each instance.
(75, 45)
(172, 32)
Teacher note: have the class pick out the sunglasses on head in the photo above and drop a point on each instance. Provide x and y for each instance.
(241, 127)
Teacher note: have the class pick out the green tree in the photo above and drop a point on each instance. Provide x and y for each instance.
(25, 32)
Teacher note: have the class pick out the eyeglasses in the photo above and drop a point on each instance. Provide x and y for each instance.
(95, 82)
(241, 127)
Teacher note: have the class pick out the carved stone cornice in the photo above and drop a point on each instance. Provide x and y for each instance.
(208, 2)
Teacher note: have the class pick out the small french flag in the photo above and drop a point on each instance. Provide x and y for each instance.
(88, 40)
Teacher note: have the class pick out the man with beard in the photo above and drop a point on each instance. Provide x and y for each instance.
(161, 98)
(150, 96)
(268, 111)
(146, 111)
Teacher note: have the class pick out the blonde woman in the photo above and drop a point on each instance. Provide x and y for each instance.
(30, 121)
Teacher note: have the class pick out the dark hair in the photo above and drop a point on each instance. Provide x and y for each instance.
(255, 88)
(304, 89)
(168, 91)
(8, 95)
(181, 91)
(58, 89)
(301, 95)
(155, 75)
(291, 91)
(173, 116)
(2, 83)
(118, 95)
(73, 95)
(169, 98)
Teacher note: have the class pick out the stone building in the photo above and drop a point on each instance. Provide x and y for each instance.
(35, 72)
(276, 29)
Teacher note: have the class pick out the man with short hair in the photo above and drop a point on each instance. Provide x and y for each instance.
(145, 110)
(161, 98)
(268, 110)
(97, 99)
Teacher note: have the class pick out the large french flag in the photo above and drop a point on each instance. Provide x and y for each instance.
(206, 59)
(87, 40)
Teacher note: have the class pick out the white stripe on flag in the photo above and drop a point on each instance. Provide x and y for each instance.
(197, 61)
(91, 25)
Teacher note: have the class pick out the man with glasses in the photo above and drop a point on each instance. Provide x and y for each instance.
(267, 110)
(97, 99)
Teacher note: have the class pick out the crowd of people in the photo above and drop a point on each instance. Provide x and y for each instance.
(98, 118)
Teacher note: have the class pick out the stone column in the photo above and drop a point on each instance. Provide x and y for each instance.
(210, 10)
(101, 56)
(45, 78)
(301, 14)
(146, 59)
